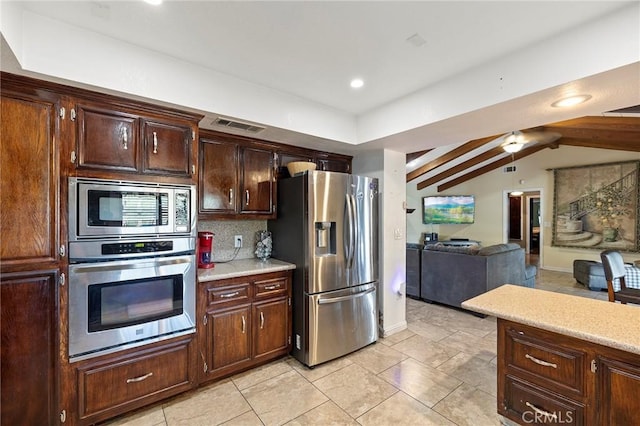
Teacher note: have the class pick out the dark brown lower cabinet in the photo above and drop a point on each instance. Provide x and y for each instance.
(549, 378)
(228, 337)
(246, 322)
(270, 328)
(619, 389)
(29, 348)
(115, 384)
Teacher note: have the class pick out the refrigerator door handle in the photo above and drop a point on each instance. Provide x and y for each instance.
(351, 229)
(343, 298)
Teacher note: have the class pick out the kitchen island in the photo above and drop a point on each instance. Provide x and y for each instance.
(564, 359)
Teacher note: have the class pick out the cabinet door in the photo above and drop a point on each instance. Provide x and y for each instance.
(618, 391)
(257, 181)
(329, 164)
(167, 148)
(271, 327)
(107, 139)
(228, 337)
(28, 353)
(29, 216)
(218, 177)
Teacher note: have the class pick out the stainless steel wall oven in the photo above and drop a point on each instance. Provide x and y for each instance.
(132, 272)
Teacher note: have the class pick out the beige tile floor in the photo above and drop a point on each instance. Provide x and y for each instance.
(441, 370)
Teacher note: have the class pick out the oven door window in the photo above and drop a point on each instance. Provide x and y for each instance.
(124, 303)
(124, 209)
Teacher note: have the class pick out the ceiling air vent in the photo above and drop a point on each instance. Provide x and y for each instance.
(226, 122)
(509, 169)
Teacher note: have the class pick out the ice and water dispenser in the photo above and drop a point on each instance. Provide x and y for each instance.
(325, 238)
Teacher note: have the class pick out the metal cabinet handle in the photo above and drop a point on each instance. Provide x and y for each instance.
(247, 194)
(139, 379)
(261, 320)
(244, 325)
(235, 293)
(541, 362)
(155, 143)
(272, 287)
(230, 196)
(541, 412)
(125, 138)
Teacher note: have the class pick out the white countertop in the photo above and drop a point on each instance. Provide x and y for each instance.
(602, 322)
(242, 268)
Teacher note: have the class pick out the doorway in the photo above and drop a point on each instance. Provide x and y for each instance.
(523, 213)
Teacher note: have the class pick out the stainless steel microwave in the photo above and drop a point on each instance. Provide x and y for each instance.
(103, 209)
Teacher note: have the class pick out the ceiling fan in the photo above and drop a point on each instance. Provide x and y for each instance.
(516, 140)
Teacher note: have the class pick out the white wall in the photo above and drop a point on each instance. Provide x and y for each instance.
(54, 48)
(389, 167)
(90, 58)
(489, 190)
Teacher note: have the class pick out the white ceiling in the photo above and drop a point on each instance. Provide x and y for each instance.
(313, 49)
(414, 97)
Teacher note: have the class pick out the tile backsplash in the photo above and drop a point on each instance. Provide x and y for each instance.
(225, 230)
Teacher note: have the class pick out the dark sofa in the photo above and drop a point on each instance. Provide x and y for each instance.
(451, 275)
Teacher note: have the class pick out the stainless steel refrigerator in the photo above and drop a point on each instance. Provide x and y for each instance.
(327, 225)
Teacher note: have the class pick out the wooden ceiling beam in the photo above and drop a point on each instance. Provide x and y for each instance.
(461, 167)
(610, 144)
(598, 122)
(413, 155)
(489, 167)
(450, 156)
(602, 135)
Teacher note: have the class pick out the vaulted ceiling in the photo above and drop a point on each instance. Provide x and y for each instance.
(446, 168)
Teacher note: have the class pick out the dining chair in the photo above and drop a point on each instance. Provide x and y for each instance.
(614, 269)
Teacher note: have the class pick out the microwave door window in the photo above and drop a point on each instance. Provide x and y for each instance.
(110, 210)
(127, 209)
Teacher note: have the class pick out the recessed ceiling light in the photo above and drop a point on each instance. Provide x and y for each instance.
(357, 83)
(153, 2)
(570, 101)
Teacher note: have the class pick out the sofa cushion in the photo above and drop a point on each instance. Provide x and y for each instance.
(497, 248)
(453, 249)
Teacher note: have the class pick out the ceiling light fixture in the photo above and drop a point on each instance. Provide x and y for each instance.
(570, 101)
(357, 83)
(154, 2)
(513, 142)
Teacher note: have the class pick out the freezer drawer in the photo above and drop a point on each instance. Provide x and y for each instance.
(340, 322)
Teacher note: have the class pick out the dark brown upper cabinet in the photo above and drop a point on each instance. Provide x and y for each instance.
(116, 138)
(236, 178)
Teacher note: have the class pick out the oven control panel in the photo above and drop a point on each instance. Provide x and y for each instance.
(137, 247)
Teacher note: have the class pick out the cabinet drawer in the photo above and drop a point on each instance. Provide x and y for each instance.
(227, 294)
(108, 385)
(545, 362)
(527, 404)
(272, 287)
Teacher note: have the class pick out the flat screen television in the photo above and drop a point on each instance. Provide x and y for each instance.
(454, 209)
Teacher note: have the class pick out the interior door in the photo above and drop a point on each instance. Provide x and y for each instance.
(515, 218)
